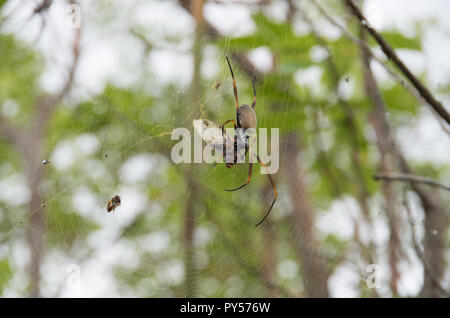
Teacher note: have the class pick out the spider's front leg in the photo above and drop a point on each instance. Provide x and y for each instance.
(275, 193)
(250, 166)
(223, 125)
(217, 161)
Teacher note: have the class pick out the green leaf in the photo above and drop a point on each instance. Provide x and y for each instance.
(397, 98)
(399, 41)
(5, 274)
(279, 37)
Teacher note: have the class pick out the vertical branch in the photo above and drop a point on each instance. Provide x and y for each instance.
(386, 165)
(190, 276)
(418, 249)
(241, 260)
(31, 148)
(436, 226)
(436, 220)
(189, 214)
(11, 133)
(314, 269)
(239, 58)
(36, 226)
(269, 261)
(197, 13)
(355, 135)
(362, 194)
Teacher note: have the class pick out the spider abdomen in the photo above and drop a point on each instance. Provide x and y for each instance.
(246, 117)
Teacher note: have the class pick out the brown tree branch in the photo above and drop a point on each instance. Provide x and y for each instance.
(315, 270)
(189, 224)
(382, 63)
(47, 105)
(31, 149)
(347, 110)
(251, 269)
(362, 194)
(188, 228)
(44, 105)
(43, 6)
(386, 164)
(436, 219)
(419, 252)
(390, 53)
(10, 133)
(269, 255)
(240, 58)
(410, 178)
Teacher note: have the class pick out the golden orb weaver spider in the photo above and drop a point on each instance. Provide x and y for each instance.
(245, 119)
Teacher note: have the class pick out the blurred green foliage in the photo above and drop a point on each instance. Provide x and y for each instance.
(132, 121)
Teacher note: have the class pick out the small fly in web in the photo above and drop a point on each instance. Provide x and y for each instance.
(220, 140)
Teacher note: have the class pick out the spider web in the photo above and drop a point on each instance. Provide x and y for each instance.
(121, 145)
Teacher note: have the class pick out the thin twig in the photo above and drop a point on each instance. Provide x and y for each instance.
(46, 105)
(390, 53)
(410, 178)
(71, 75)
(240, 58)
(382, 63)
(418, 249)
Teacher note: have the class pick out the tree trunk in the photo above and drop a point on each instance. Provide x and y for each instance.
(314, 270)
(190, 276)
(31, 149)
(189, 214)
(269, 262)
(385, 166)
(436, 224)
(436, 220)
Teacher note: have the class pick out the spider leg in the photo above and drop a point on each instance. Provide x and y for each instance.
(224, 134)
(217, 161)
(274, 191)
(228, 121)
(226, 142)
(254, 94)
(234, 84)
(248, 179)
